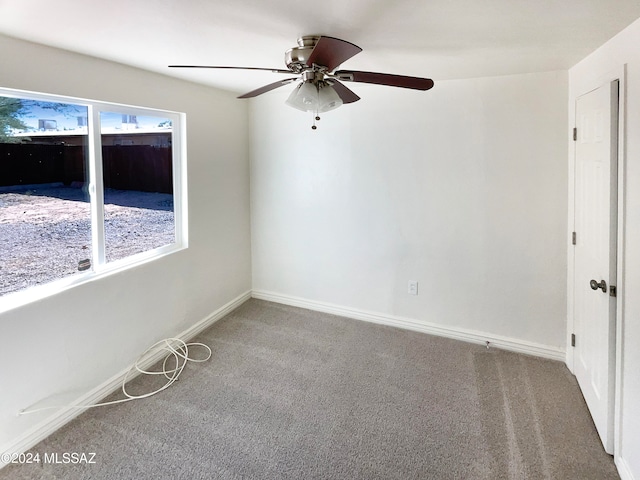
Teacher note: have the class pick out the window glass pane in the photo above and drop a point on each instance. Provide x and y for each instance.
(45, 215)
(138, 183)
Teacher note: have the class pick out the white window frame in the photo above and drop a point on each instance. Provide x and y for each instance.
(100, 266)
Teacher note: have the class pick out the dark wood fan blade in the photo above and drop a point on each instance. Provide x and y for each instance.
(416, 83)
(344, 93)
(268, 88)
(331, 52)
(274, 70)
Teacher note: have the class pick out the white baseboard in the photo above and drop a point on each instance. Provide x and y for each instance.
(623, 469)
(505, 343)
(38, 433)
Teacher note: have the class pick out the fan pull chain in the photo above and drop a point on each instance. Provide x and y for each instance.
(317, 117)
(313, 127)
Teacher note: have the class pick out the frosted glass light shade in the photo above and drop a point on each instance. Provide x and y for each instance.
(310, 97)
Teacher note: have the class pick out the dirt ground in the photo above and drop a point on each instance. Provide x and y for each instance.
(46, 231)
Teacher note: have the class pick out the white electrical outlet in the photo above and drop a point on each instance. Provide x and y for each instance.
(413, 287)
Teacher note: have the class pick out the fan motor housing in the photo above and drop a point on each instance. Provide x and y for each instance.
(296, 58)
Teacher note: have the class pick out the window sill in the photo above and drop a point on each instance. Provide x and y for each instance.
(12, 301)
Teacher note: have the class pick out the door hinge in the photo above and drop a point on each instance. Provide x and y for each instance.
(575, 134)
(573, 339)
(613, 291)
(574, 238)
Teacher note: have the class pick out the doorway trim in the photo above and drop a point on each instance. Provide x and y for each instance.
(618, 74)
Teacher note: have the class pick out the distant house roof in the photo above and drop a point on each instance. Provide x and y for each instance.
(83, 131)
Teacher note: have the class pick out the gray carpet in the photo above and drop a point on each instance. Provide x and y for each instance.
(295, 394)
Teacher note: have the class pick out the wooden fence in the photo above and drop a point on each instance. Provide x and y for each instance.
(125, 167)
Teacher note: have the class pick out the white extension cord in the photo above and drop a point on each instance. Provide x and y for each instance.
(181, 355)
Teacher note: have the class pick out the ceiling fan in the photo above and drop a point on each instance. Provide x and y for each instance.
(320, 87)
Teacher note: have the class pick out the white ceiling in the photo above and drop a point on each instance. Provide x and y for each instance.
(439, 39)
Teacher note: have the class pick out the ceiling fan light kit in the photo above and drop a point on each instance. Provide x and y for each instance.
(314, 97)
(314, 60)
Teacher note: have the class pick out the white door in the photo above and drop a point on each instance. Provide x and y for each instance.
(595, 253)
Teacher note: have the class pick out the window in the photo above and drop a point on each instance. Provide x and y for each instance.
(85, 187)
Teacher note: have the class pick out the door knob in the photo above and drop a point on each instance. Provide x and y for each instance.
(595, 285)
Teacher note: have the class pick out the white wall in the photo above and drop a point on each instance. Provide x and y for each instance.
(590, 73)
(463, 188)
(79, 338)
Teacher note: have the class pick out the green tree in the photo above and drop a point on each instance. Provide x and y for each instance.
(10, 108)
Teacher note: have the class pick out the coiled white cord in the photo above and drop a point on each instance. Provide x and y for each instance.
(180, 353)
